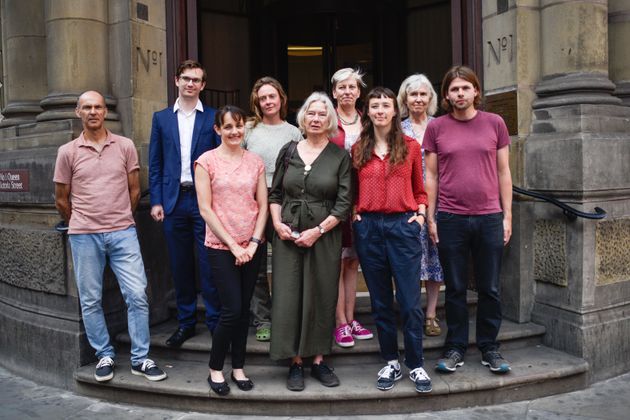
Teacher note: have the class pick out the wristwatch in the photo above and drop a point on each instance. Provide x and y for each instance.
(321, 229)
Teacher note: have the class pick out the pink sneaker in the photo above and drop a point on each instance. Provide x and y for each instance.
(359, 332)
(343, 336)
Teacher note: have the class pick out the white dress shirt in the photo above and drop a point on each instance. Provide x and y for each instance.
(186, 124)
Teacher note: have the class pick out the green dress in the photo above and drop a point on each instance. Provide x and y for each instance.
(305, 280)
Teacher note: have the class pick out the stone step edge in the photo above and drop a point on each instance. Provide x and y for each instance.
(476, 378)
(519, 331)
(362, 304)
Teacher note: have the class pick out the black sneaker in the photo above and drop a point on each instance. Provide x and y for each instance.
(104, 369)
(149, 370)
(387, 377)
(422, 381)
(451, 360)
(324, 374)
(495, 362)
(295, 380)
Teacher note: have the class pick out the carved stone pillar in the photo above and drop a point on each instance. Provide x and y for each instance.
(578, 152)
(77, 50)
(618, 38)
(24, 60)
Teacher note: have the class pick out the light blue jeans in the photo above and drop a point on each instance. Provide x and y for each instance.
(90, 252)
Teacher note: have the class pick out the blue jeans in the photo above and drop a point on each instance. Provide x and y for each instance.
(185, 233)
(461, 235)
(90, 252)
(389, 246)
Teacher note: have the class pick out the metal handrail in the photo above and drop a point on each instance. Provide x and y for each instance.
(570, 212)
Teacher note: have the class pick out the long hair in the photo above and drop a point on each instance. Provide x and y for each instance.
(395, 142)
(254, 100)
(464, 73)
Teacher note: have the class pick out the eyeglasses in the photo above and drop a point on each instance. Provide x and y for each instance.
(187, 80)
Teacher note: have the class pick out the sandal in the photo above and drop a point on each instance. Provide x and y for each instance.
(431, 327)
(263, 334)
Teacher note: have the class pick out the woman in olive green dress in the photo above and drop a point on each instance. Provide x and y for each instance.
(310, 194)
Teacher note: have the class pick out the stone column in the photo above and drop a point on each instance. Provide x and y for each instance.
(24, 60)
(618, 39)
(511, 43)
(77, 51)
(578, 152)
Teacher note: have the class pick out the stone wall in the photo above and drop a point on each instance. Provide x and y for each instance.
(548, 62)
(117, 47)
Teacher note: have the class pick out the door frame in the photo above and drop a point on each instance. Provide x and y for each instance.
(182, 37)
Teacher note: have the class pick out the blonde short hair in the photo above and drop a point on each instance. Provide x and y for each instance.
(331, 127)
(414, 82)
(347, 73)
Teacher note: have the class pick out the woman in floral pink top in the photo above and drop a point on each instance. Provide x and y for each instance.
(232, 194)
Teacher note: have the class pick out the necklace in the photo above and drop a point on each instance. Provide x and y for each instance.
(380, 152)
(354, 121)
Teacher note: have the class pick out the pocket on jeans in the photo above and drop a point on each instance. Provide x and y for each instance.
(358, 228)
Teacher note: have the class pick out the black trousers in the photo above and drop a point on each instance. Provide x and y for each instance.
(236, 286)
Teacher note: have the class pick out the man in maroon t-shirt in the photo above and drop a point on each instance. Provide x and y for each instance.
(468, 176)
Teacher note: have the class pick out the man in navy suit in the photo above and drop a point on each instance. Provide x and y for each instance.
(179, 135)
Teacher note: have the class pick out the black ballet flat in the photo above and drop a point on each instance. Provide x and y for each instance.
(219, 388)
(244, 385)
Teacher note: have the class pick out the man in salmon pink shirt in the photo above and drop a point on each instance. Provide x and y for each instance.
(97, 188)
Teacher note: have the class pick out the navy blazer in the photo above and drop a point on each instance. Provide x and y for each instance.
(165, 167)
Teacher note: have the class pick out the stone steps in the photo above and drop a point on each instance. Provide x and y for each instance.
(363, 308)
(197, 348)
(536, 371)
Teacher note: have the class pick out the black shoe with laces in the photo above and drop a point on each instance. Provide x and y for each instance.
(295, 380)
(149, 370)
(324, 374)
(451, 360)
(104, 369)
(495, 362)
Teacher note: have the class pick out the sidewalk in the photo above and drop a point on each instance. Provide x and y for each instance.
(24, 399)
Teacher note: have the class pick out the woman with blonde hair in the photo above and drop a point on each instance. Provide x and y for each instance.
(266, 133)
(418, 103)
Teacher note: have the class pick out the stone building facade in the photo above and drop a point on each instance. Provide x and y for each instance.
(555, 69)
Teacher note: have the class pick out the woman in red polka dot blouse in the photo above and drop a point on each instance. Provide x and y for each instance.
(389, 213)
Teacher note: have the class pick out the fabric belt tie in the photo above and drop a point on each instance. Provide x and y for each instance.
(301, 209)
